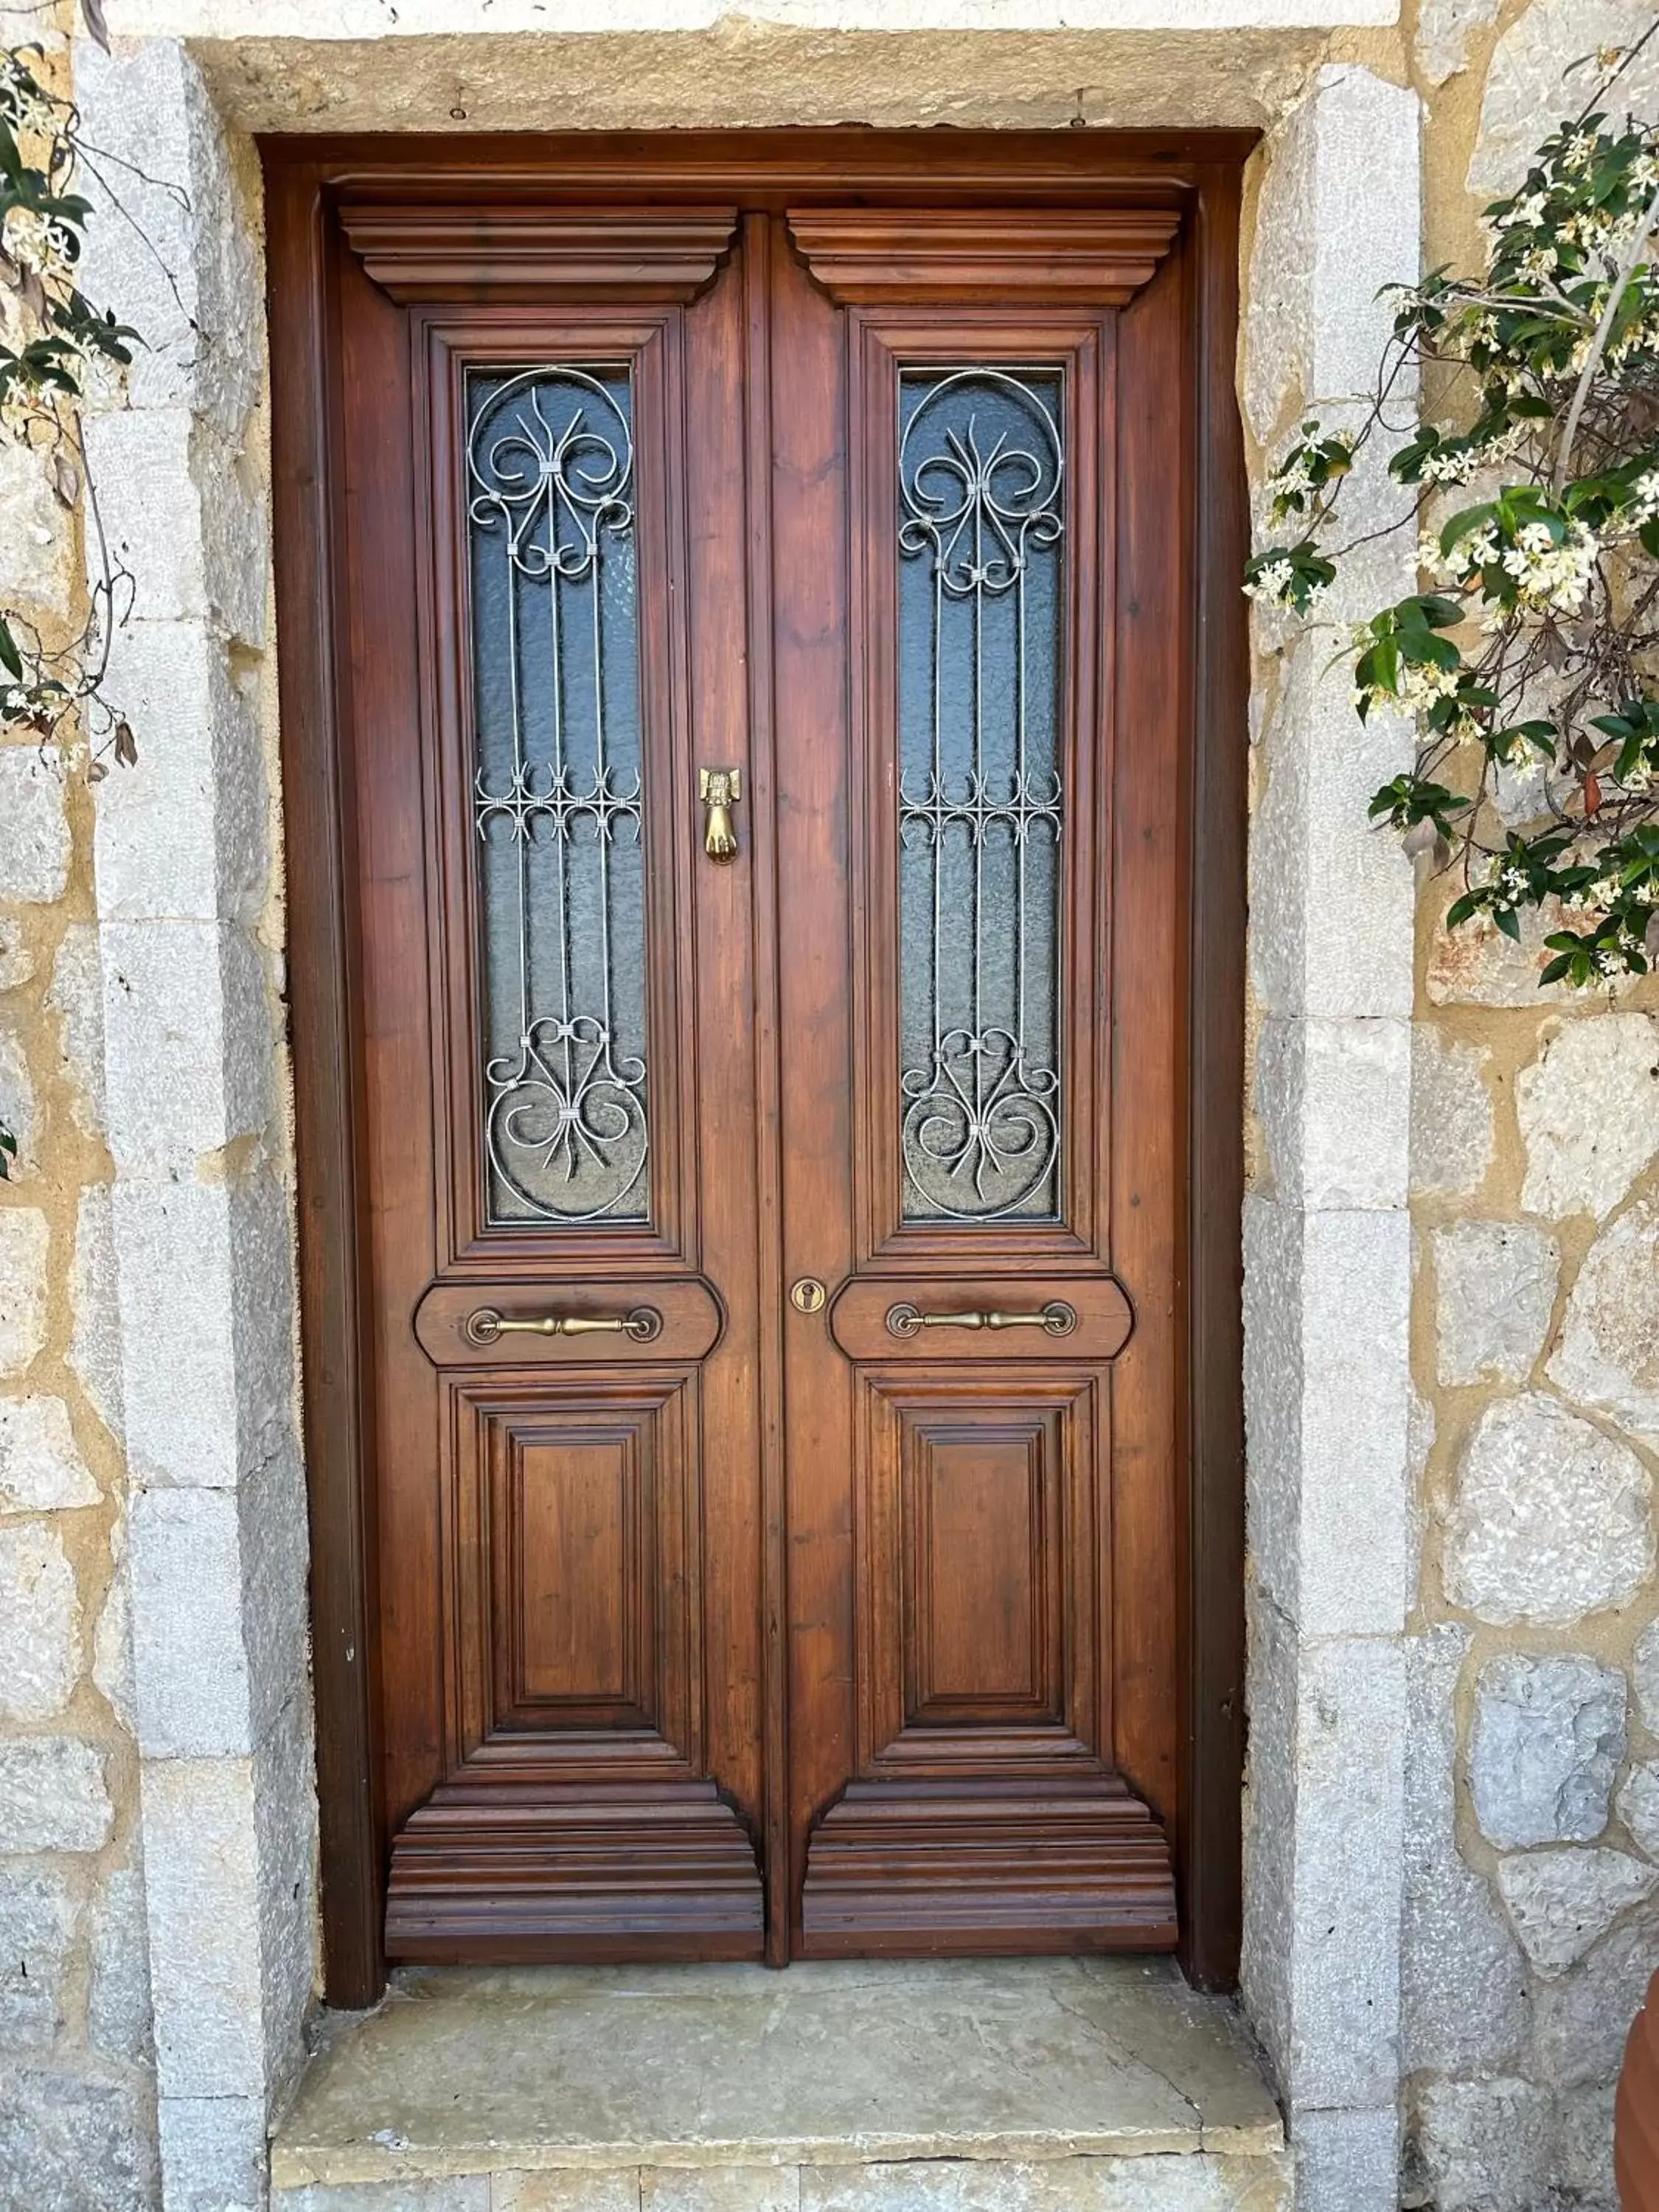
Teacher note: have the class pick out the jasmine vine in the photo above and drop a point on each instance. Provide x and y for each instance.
(1532, 636)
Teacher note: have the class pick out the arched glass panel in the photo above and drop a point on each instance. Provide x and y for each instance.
(981, 636)
(558, 794)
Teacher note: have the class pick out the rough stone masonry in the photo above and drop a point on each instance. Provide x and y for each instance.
(1453, 1232)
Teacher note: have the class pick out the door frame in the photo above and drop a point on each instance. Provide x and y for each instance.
(1201, 172)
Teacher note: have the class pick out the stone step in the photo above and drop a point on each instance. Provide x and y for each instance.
(1020, 2085)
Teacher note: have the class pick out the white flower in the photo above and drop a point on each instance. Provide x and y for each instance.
(33, 240)
(1548, 575)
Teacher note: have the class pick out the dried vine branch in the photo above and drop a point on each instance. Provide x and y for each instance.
(56, 347)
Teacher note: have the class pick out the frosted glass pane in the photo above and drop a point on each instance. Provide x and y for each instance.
(980, 621)
(558, 794)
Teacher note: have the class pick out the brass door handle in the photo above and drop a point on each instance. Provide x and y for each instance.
(486, 1325)
(720, 790)
(1056, 1319)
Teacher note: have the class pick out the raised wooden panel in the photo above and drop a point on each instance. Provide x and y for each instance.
(573, 1513)
(572, 1821)
(419, 252)
(985, 1813)
(1094, 257)
(567, 1567)
(983, 1601)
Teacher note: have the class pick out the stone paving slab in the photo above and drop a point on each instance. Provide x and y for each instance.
(948, 2086)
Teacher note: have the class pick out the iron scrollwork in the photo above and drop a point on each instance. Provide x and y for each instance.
(558, 796)
(982, 474)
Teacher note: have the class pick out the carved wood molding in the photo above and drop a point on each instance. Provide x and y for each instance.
(1085, 257)
(416, 251)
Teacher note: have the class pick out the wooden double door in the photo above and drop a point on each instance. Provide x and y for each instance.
(761, 634)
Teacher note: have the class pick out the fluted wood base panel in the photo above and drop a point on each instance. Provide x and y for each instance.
(666, 1875)
(896, 1869)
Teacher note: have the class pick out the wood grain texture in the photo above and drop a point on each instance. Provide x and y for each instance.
(821, 1619)
(973, 257)
(525, 254)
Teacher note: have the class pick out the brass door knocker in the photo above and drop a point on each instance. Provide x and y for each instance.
(719, 789)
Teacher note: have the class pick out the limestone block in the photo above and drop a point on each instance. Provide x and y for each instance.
(17, 963)
(1334, 1097)
(40, 1622)
(40, 1465)
(1588, 1110)
(34, 831)
(1495, 1293)
(1528, 89)
(53, 1795)
(1463, 1985)
(464, 2193)
(1583, 2166)
(1645, 1675)
(1581, 2018)
(206, 1291)
(187, 1042)
(37, 1928)
(1326, 1898)
(197, 296)
(1328, 1408)
(1638, 1805)
(1482, 2145)
(17, 1107)
(202, 1882)
(1444, 28)
(1477, 965)
(720, 2189)
(180, 511)
(616, 2191)
(1331, 902)
(1451, 1123)
(1314, 333)
(1562, 1902)
(24, 1242)
(117, 2000)
(1609, 1354)
(285, 1840)
(74, 2143)
(37, 541)
(1348, 2162)
(182, 835)
(112, 1639)
(77, 997)
(189, 1659)
(1550, 1519)
(94, 1351)
(1549, 1737)
(1152, 2183)
(213, 2153)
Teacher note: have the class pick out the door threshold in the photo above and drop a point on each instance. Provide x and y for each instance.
(844, 2086)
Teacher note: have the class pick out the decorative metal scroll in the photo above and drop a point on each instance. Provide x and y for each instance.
(558, 793)
(981, 469)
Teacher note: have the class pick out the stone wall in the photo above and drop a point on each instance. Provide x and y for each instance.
(1453, 1230)
(1530, 1924)
(1521, 1722)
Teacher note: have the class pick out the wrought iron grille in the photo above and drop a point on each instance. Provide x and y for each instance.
(980, 620)
(558, 793)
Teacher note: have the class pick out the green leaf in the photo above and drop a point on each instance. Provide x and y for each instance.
(1508, 921)
(11, 660)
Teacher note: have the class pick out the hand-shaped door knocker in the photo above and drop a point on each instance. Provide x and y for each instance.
(719, 789)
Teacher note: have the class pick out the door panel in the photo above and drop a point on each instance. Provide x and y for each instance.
(574, 1774)
(770, 1259)
(982, 489)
